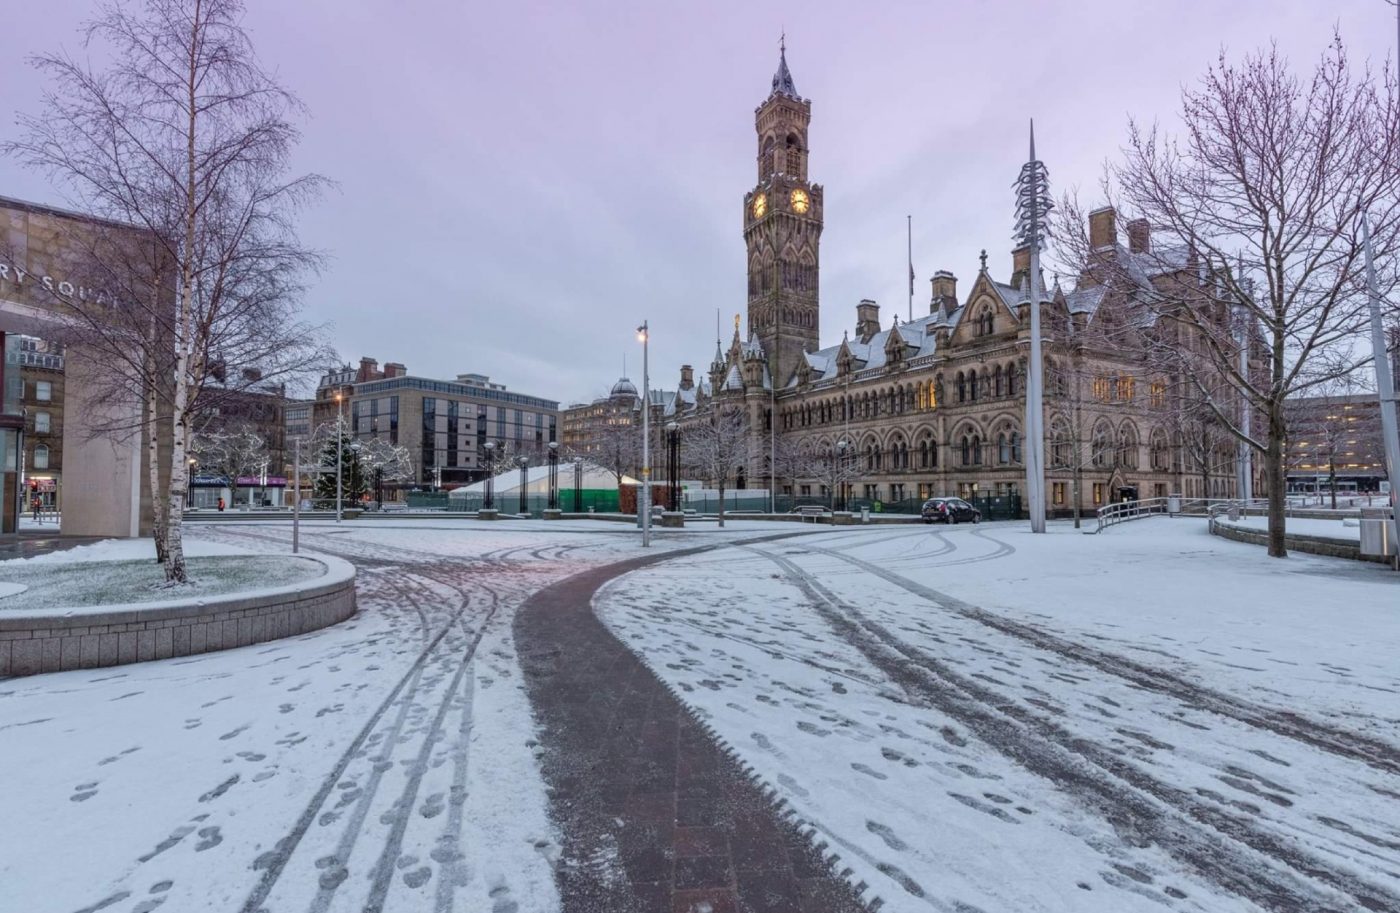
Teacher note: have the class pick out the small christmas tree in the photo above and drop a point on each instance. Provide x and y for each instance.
(352, 476)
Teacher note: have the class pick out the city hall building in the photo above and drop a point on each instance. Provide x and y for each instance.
(936, 405)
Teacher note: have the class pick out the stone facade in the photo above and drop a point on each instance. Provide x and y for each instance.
(44, 259)
(898, 412)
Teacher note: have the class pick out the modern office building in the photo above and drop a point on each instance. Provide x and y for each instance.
(444, 424)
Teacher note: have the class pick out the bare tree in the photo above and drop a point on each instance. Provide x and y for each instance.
(831, 465)
(384, 462)
(716, 447)
(1269, 182)
(232, 453)
(615, 446)
(185, 137)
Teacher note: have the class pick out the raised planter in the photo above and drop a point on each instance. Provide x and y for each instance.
(488, 513)
(57, 640)
(1297, 542)
(553, 513)
(672, 519)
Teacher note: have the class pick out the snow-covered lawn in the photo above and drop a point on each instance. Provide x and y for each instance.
(56, 584)
(1346, 529)
(968, 716)
(1151, 717)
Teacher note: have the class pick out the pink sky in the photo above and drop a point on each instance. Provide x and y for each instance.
(521, 184)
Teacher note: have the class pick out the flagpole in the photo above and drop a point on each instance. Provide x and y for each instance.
(909, 232)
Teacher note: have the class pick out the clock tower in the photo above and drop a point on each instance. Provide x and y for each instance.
(782, 230)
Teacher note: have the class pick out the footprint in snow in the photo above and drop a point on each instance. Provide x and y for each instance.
(210, 839)
(869, 771)
(884, 833)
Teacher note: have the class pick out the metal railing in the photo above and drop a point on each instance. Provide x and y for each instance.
(1123, 511)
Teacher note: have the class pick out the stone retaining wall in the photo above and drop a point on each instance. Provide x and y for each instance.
(32, 642)
(1296, 542)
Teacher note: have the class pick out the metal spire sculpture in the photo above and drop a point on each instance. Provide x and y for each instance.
(1033, 207)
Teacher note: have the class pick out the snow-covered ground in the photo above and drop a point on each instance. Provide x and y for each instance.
(383, 763)
(1151, 718)
(1147, 718)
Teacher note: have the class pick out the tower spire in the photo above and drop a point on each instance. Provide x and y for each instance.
(1032, 158)
(782, 80)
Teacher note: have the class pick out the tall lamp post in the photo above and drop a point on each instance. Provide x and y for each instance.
(490, 474)
(644, 502)
(524, 483)
(189, 486)
(673, 465)
(840, 479)
(578, 486)
(339, 450)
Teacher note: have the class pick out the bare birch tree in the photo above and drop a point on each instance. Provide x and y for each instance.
(716, 447)
(185, 137)
(1266, 188)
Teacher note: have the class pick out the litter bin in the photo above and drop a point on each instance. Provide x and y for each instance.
(1174, 504)
(865, 515)
(1377, 532)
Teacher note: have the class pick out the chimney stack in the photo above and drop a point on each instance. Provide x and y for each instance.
(369, 370)
(1020, 264)
(1103, 228)
(394, 369)
(945, 291)
(1139, 236)
(687, 377)
(867, 319)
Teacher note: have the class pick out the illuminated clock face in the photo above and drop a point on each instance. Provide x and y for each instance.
(799, 201)
(760, 206)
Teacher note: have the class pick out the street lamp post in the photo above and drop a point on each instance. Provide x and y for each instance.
(578, 486)
(644, 504)
(553, 475)
(355, 453)
(339, 450)
(490, 473)
(524, 483)
(189, 485)
(840, 478)
(673, 464)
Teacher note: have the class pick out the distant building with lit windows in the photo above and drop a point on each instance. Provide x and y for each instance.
(444, 424)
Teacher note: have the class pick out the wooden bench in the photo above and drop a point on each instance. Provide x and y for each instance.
(816, 513)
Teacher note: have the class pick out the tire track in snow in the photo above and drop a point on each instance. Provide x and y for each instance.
(277, 860)
(1128, 797)
(1314, 733)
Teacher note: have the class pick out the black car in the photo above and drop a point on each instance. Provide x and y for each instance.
(950, 510)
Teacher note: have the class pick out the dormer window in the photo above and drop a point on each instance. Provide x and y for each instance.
(984, 322)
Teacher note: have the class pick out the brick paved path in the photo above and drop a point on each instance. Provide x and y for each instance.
(655, 815)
